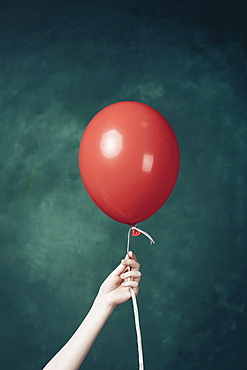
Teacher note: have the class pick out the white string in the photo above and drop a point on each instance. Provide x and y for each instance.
(140, 231)
(134, 301)
(138, 330)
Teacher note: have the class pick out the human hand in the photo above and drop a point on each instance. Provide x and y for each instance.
(116, 289)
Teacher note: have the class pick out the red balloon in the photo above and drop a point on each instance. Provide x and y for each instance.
(129, 161)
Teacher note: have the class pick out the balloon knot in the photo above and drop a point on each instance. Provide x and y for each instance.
(135, 232)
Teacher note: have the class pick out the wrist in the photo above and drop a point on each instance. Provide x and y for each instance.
(103, 303)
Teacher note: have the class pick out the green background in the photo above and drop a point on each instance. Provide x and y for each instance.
(60, 63)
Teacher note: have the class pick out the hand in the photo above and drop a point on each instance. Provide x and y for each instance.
(116, 288)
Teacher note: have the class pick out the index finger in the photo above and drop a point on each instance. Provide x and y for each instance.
(132, 255)
(132, 263)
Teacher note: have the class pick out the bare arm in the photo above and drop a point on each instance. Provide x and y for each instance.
(114, 291)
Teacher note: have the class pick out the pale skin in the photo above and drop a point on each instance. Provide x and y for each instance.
(116, 289)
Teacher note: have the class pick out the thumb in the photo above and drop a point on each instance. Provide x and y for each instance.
(119, 269)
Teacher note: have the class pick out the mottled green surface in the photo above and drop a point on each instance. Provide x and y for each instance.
(61, 62)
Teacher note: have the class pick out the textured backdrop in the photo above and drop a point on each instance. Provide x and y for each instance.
(60, 63)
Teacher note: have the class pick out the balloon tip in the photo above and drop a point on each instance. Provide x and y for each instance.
(135, 232)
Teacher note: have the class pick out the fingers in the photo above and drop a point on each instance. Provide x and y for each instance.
(130, 284)
(128, 263)
(131, 255)
(119, 269)
(131, 261)
(132, 274)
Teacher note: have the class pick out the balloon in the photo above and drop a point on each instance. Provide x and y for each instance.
(129, 161)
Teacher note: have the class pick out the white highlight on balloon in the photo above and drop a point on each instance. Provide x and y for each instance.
(111, 143)
(144, 124)
(147, 162)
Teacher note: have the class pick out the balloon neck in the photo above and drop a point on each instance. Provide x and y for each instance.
(136, 232)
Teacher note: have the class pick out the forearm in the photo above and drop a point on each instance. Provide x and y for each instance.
(71, 356)
(114, 291)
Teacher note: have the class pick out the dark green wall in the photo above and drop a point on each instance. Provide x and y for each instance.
(61, 62)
